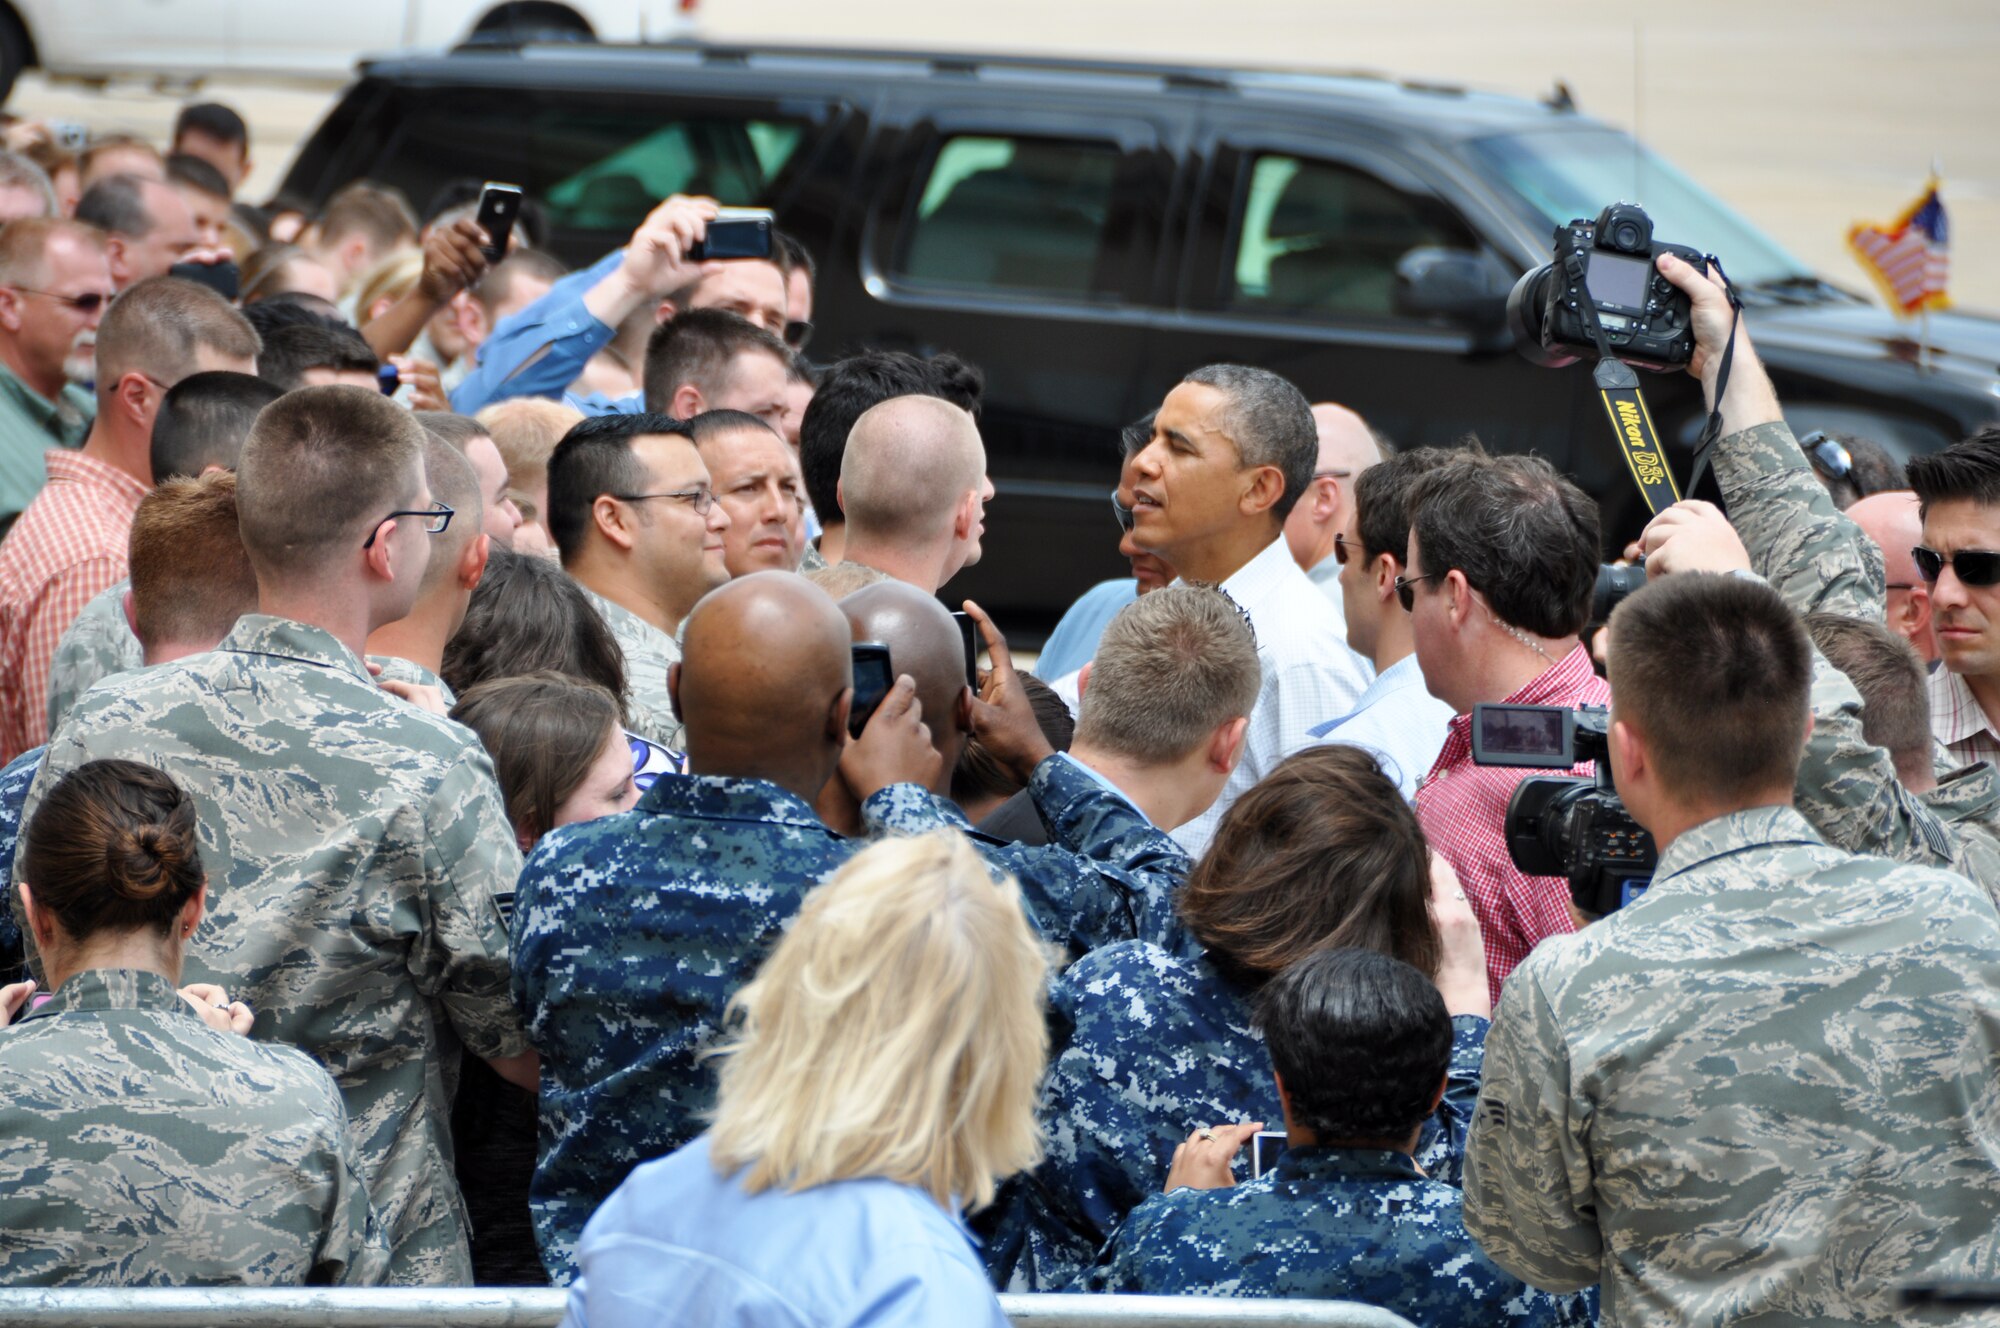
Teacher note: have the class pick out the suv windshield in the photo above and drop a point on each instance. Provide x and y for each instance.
(1567, 173)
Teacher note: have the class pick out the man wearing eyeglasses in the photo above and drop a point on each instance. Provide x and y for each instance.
(54, 285)
(635, 518)
(1347, 446)
(358, 849)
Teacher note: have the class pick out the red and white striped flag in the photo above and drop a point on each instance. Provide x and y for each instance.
(1910, 259)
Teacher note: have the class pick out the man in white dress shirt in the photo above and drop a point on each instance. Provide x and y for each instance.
(1396, 719)
(1232, 450)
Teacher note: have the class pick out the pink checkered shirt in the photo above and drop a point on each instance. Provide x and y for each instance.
(1959, 722)
(1463, 807)
(68, 546)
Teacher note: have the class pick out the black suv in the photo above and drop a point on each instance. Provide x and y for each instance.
(1088, 232)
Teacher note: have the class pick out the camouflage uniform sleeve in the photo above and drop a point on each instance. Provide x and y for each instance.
(95, 647)
(903, 809)
(472, 863)
(1809, 551)
(1819, 561)
(1441, 1149)
(355, 1251)
(1530, 1193)
(1083, 817)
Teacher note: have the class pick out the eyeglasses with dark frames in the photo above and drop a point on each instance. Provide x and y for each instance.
(87, 303)
(438, 518)
(1973, 567)
(701, 500)
(1406, 590)
(1333, 474)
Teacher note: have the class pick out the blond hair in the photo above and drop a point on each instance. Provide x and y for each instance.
(391, 279)
(895, 1033)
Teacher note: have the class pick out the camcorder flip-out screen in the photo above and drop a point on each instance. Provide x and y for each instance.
(1540, 737)
(1617, 280)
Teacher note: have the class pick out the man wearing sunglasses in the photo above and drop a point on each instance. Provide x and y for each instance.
(54, 285)
(1959, 563)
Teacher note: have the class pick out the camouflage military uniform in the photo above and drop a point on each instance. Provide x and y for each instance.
(1769, 1089)
(1328, 1224)
(1149, 1046)
(1107, 874)
(649, 653)
(356, 848)
(631, 933)
(397, 669)
(812, 560)
(139, 1147)
(1821, 562)
(15, 781)
(98, 644)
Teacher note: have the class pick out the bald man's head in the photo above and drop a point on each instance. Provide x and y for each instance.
(1894, 520)
(925, 643)
(762, 685)
(909, 463)
(1347, 446)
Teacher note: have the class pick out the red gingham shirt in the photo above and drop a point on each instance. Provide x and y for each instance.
(1463, 808)
(67, 547)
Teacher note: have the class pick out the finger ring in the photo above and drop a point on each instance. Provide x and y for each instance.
(1206, 1133)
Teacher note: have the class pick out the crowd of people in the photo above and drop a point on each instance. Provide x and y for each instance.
(445, 842)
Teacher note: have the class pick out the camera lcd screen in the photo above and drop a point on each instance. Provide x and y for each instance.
(1618, 280)
(1537, 736)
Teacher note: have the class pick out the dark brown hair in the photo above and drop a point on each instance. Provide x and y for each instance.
(1322, 852)
(1886, 670)
(543, 731)
(113, 848)
(1715, 673)
(526, 616)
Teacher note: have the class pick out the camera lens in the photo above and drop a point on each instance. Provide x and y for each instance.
(1527, 319)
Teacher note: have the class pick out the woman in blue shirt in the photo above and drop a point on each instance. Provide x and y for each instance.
(881, 1078)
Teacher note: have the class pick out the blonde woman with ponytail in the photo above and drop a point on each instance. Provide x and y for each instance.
(879, 1080)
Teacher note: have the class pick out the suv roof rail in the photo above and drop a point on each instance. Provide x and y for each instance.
(969, 64)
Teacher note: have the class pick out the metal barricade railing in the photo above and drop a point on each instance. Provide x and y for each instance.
(404, 1307)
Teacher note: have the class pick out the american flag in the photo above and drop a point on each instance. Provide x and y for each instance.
(1911, 257)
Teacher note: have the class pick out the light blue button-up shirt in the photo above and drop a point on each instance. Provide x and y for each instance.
(564, 334)
(677, 1245)
(1397, 721)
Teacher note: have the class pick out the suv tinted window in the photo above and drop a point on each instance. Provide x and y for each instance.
(594, 169)
(1319, 238)
(1021, 214)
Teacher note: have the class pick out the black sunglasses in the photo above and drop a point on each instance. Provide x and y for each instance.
(1973, 567)
(1406, 590)
(797, 333)
(84, 304)
(1827, 455)
(1121, 513)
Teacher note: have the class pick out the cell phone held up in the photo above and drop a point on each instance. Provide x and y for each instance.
(873, 677)
(1265, 1148)
(736, 233)
(499, 208)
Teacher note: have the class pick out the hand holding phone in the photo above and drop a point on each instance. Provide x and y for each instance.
(873, 677)
(735, 233)
(1265, 1148)
(499, 206)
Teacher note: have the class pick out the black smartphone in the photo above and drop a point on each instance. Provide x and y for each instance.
(736, 233)
(968, 632)
(1265, 1146)
(873, 677)
(499, 206)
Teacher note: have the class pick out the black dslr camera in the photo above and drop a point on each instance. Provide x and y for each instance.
(1604, 273)
(1566, 826)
